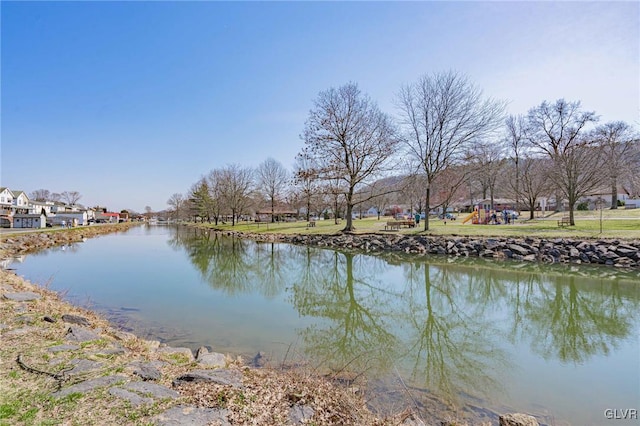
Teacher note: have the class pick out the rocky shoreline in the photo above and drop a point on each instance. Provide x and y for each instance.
(609, 252)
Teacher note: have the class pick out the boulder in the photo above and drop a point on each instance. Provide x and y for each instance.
(75, 319)
(518, 419)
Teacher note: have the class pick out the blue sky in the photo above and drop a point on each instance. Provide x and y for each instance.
(130, 102)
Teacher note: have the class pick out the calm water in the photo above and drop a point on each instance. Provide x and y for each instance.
(547, 340)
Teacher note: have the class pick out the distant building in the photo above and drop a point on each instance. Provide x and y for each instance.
(22, 220)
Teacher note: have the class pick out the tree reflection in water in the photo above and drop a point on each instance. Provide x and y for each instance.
(356, 310)
(449, 327)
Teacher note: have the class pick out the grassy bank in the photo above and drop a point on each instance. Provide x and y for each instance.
(621, 224)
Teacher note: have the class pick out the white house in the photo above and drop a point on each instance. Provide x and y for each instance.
(37, 207)
(6, 200)
(20, 202)
(21, 220)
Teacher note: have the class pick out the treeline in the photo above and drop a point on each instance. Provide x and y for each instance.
(448, 143)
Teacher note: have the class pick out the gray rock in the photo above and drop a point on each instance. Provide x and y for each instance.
(47, 318)
(187, 415)
(23, 296)
(110, 351)
(123, 335)
(518, 419)
(60, 348)
(147, 372)
(135, 399)
(82, 366)
(222, 376)
(202, 350)
(183, 351)
(89, 385)
(298, 414)
(21, 308)
(213, 359)
(80, 334)
(152, 389)
(413, 420)
(75, 319)
(21, 331)
(26, 319)
(518, 249)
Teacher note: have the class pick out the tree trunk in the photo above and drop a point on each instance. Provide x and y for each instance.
(427, 208)
(273, 217)
(572, 204)
(349, 219)
(614, 194)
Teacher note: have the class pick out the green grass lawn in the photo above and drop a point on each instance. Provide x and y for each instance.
(615, 224)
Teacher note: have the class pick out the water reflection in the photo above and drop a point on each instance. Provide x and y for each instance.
(345, 292)
(451, 327)
(451, 342)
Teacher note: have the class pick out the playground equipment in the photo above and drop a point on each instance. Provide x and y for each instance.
(472, 216)
(480, 216)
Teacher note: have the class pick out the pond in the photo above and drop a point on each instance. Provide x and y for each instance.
(451, 337)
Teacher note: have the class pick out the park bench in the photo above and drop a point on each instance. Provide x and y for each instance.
(392, 224)
(311, 224)
(565, 221)
(397, 224)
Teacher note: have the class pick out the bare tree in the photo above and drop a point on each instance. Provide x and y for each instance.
(348, 139)
(273, 179)
(534, 177)
(514, 142)
(631, 181)
(71, 197)
(176, 201)
(442, 113)
(306, 180)
(554, 129)
(617, 140)
(215, 180)
(235, 189)
(487, 164)
(40, 195)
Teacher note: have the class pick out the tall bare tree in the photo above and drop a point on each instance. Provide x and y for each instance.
(349, 140)
(514, 142)
(617, 140)
(442, 114)
(306, 181)
(273, 179)
(40, 195)
(236, 184)
(534, 178)
(487, 164)
(71, 197)
(176, 202)
(554, 129)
